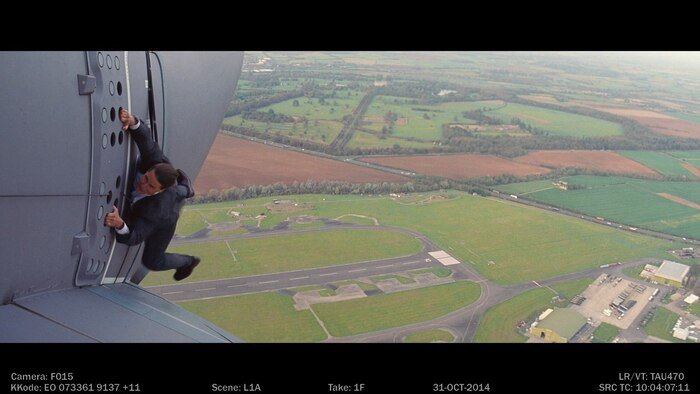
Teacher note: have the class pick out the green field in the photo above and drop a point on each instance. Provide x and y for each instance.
(633, 272)
(430, 336)
(557, 122)
(261, 317)
(352, 317)
(511, 244)
(605, 333)
(498, 324)
(311, 108)
(524, 188)
(316, 121)
(282, 253)
(190, 221)
(685, 116)
(689, 155)
(319, 131)
(627, 200)
(361, 139)
(211, 214)
(506, 242)
(660, 162)
(412, 117)
(661, 325)
(694, 308)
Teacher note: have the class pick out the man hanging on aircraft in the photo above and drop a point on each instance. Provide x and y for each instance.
(159, 192)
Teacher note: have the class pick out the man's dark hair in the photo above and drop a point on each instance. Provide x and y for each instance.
(165, 174)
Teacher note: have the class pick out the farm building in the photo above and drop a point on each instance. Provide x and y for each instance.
(559, 326)
(648, 271)
(672, 274)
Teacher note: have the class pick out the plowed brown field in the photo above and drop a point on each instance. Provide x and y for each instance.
(592, 159)
(237, 162)
(679, 200)
(660, 123)
(458, 166)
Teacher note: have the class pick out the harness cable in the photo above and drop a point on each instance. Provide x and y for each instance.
(151, 99)
(162, 92)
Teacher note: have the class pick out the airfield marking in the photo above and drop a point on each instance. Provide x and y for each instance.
(472, 252)
(173, 292)
(332, 273)
(208, 288)
(299, 278)
(320, 323)
(384, 266)
(538, 285)
(358, 270)
(232, 253)
(269, 281)
(235, 285)
(411, 262)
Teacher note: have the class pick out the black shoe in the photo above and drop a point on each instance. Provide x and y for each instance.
(183, 272)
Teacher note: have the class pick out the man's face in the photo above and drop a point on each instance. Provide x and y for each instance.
(148, 184)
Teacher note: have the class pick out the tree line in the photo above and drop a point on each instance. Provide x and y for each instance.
(417, 184)
(252, 103)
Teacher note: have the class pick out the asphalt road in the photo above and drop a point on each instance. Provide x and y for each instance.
(285, 280)
(463, 322)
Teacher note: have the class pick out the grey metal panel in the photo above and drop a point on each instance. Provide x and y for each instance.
(36, 236)
(198, 89)
(45, 139)
(19, 325)
(158, 309)
(45, 153)
(99, 318)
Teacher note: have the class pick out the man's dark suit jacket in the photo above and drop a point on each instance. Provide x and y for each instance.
(152, 218)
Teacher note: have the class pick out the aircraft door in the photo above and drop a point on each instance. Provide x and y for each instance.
(108, 168)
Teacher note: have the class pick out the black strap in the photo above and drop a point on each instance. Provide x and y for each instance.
(151, 99)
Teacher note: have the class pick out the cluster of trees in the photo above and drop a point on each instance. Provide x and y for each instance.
(418, 184)
(308, 187)
(425, 92)
(264, 80)
(479, 116)
(278, 138)
(253, 103)
(270, 116)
